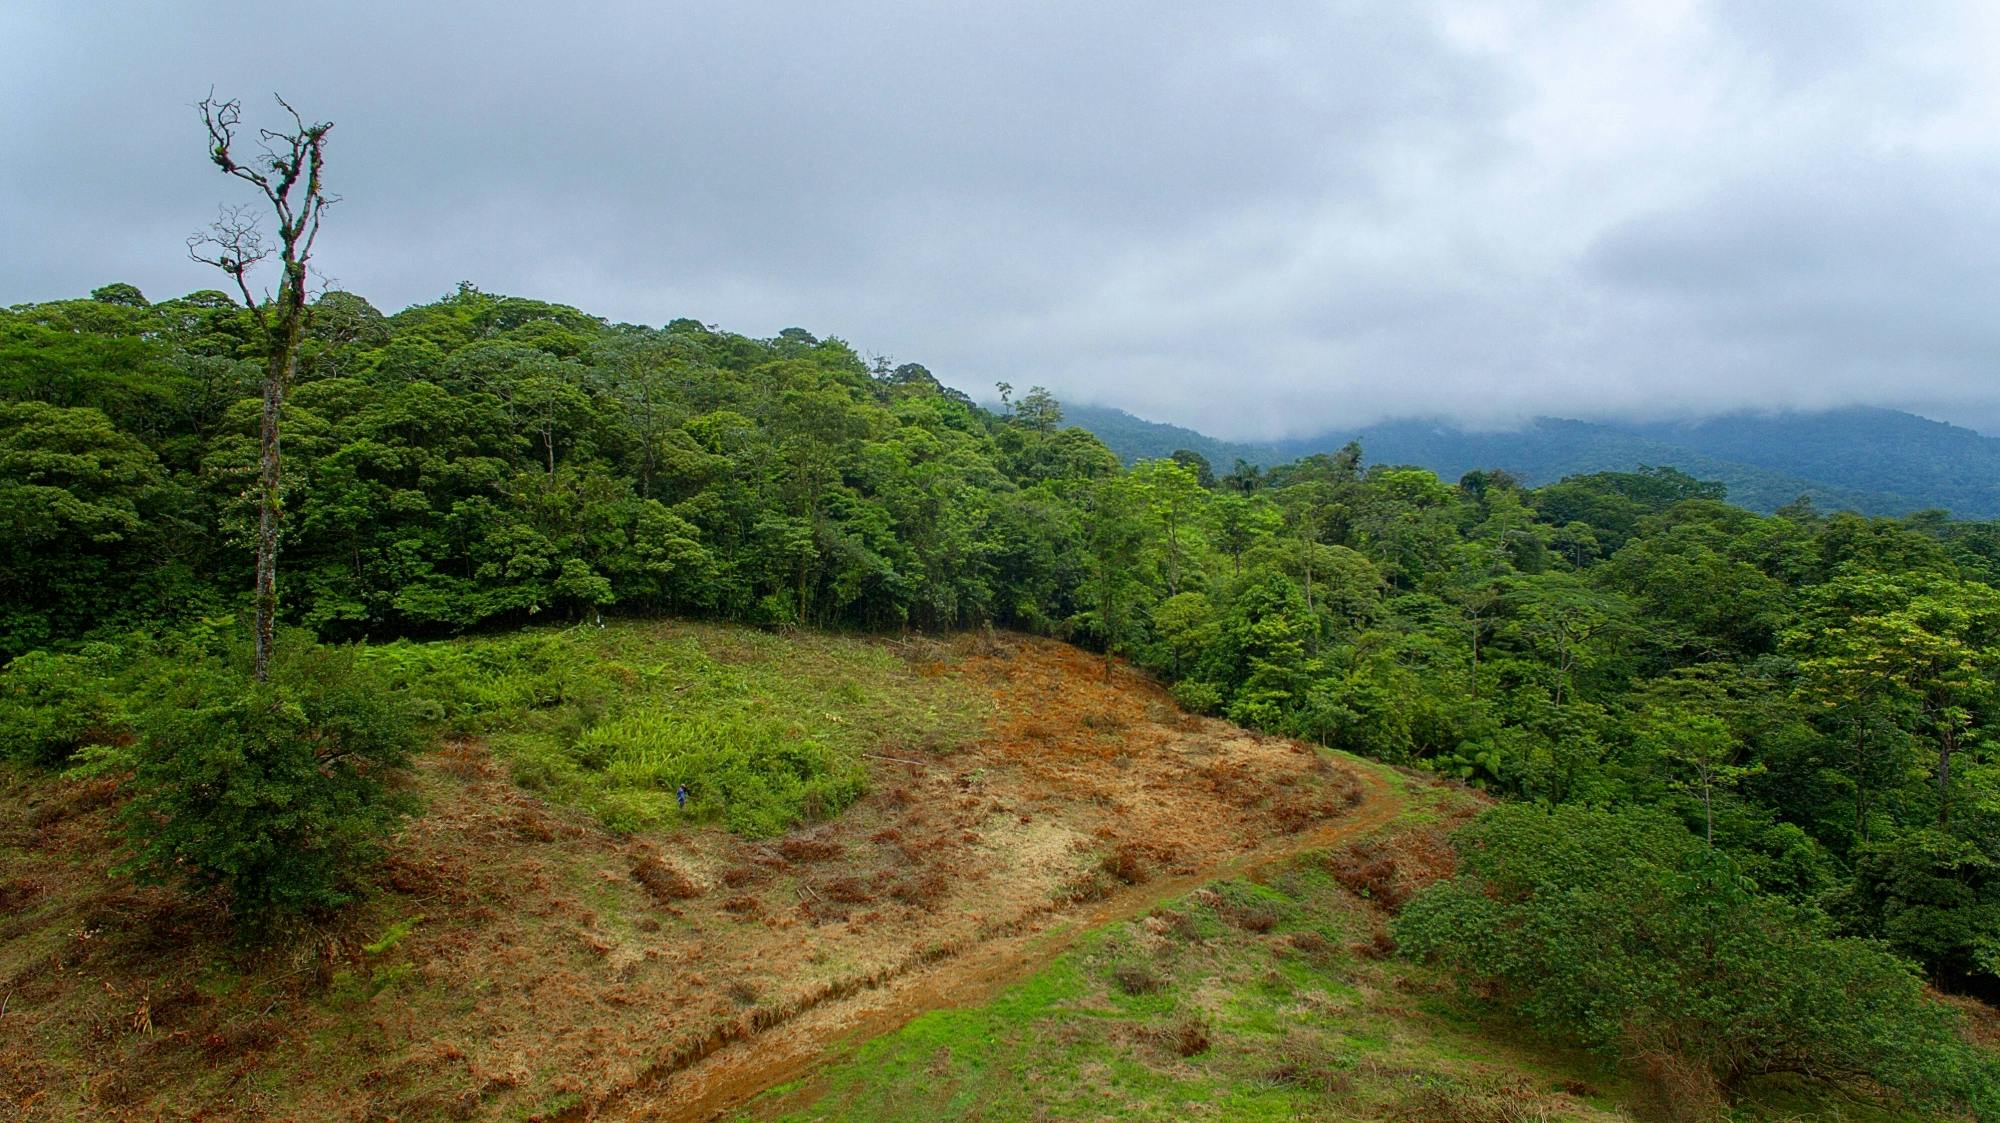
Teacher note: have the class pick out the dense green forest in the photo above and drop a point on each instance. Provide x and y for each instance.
(1802, 705)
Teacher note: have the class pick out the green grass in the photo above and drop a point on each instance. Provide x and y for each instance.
(1302, 1026)
(1296, 1032)
(765, 732)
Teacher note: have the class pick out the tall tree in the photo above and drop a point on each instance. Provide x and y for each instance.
(1114, 542)
(1172, 497)
(287, 171)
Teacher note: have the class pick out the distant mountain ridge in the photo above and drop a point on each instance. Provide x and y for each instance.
(1875, 461)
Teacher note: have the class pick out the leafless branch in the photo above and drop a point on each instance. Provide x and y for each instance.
(234, 244)
(285, 162)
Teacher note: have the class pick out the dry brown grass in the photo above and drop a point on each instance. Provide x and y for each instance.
(922, 889)
(667, 883)
(1390, 871)
(1136, 978)
(801, 848)
(847, 891)
(1378, 944)
(1311, 944)
(1178, 924)
(1250, 917)
(465, 759)
(1308, 1063)
(1440, 1100)
(1682, 1090)
(1186, 1036)
(1981, 1024)
(1135, 861)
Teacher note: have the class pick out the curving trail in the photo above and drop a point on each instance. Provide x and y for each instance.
(710, 1079)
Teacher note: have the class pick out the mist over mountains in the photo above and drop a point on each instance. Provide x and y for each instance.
(1874, 461)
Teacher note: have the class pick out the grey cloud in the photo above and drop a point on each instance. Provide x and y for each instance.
(1258, 220)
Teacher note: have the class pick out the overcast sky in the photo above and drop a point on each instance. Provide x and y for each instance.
(1255, 219)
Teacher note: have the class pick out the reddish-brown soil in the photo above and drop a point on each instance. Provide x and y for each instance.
(1090, 803)
(562, 972)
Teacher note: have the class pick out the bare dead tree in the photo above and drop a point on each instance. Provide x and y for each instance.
(286, 170)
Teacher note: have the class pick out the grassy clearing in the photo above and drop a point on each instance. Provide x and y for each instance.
(1274, 999)
(765, 732)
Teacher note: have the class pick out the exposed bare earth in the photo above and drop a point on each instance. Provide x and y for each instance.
(738, 1073)
(563, 972)
(1110, 767)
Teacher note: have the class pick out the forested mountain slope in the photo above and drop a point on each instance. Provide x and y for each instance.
(1875, 461)
(1764, 744)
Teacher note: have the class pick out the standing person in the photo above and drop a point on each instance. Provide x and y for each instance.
(681, 796)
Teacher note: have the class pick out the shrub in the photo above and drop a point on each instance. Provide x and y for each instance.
(466, 688)
(53, 705)
(1197, 697)
(1623, 932)
(275, 795)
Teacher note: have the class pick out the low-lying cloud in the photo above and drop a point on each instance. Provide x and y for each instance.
(1258, 220)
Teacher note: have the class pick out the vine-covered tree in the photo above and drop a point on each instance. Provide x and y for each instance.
(288, 171)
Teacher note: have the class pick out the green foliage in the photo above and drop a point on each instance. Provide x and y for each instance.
(54, 705)
(393, 936)
(1814, 692)
(1197, 697)
(274, 795)
(757, 775)
(1936, 899)
(84, 508)
(1620, 931)
(617, 719)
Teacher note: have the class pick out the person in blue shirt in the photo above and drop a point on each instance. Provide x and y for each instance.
(681, 797)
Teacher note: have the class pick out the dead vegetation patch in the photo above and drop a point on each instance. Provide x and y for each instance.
(1135, 978)
(1312, 945)
(800, 848)
(1680, 1088)
(1185, 1036)
(1175, 923)
(847, 891)
(1135, 861)
(1435, 1099)
(1307, 1062)
(922, 889)
(666, 883)
(465, 759)
(1250, 915)
(1389, 871)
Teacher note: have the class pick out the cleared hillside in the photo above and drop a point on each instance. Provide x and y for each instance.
(1058, 896)
(522, 959)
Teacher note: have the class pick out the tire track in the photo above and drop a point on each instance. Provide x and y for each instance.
(705, 1078)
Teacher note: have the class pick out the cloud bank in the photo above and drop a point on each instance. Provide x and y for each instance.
(1259, 220)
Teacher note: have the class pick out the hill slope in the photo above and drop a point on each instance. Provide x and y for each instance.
(1876, 461)
(523, 961)
(1059, 893)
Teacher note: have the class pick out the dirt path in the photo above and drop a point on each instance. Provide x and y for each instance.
(707, 1081)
